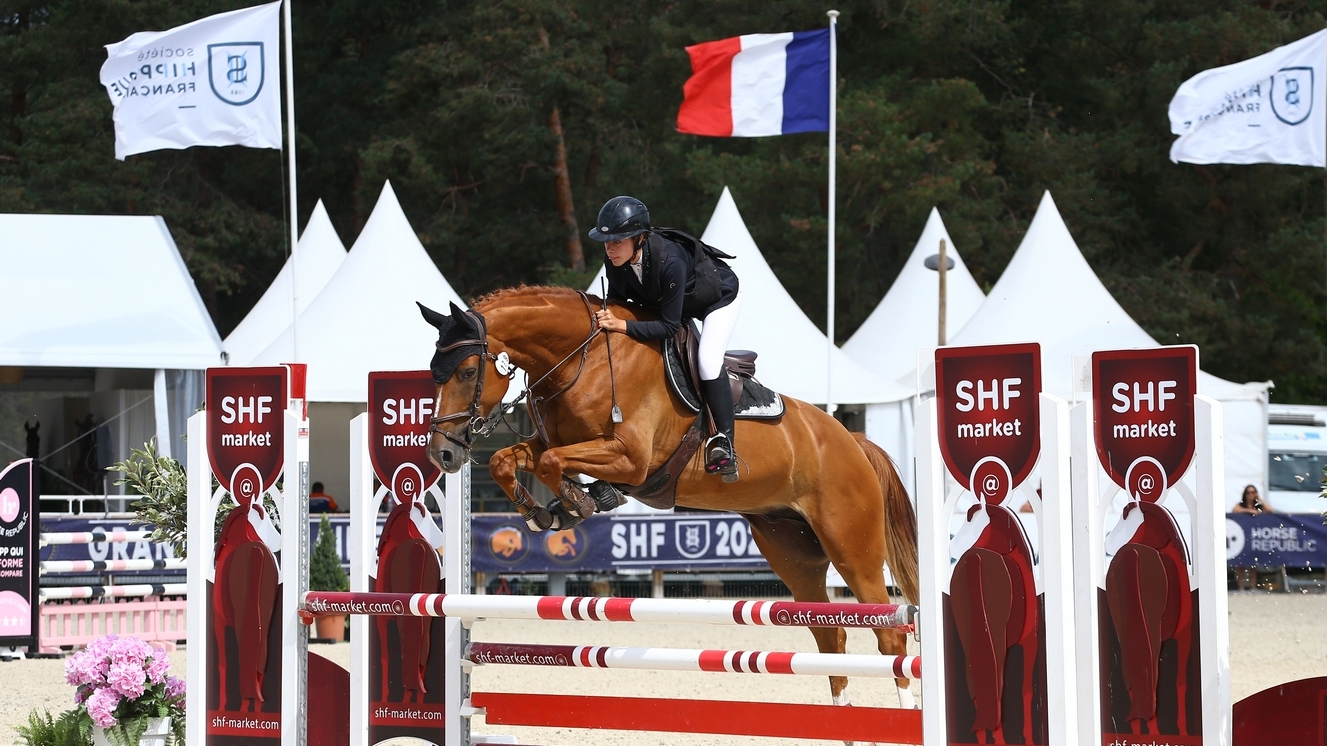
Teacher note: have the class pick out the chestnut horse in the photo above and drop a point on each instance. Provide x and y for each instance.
(813, 492)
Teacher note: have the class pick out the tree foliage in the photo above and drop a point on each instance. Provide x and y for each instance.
(972, 106)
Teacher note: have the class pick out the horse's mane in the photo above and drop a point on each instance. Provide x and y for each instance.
(526, 291)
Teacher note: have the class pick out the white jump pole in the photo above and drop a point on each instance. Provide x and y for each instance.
(1209, 558)
(1088, 541)
(932, 564)
(363, 553)
(294, 579)
(456, 579)
(201, 548)
(1057, 575)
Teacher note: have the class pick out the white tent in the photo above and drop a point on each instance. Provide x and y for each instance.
(109, 296)
(1049, 294)
(791, 348)
(320, 254)
(365, 318)
(904, 325)
(905, 322)
(99, 291)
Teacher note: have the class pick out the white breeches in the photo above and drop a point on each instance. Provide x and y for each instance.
(717, 329)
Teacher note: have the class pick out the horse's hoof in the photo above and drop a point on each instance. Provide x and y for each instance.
(606, 496)
(575, 499)
(563, 520)
(538, 519)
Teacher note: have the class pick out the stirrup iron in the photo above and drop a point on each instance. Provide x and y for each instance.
(720, 458)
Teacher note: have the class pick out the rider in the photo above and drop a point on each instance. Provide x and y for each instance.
(679, 277)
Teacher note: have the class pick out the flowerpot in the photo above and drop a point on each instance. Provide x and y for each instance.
(331, 627)
(155, 735)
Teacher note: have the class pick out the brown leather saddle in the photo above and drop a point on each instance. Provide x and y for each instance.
(751, 399)
(739, 364)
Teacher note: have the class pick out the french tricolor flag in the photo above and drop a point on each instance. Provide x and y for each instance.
(758, 85)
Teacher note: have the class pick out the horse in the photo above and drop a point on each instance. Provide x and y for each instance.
(812, 492)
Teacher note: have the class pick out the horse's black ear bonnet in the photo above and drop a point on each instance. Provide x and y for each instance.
(460, 326)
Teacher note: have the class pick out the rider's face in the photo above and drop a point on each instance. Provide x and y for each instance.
(620, 252)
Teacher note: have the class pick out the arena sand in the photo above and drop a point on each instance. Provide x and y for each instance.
(1274, 638)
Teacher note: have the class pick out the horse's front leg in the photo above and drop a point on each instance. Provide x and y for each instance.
(504, 464)
(610, 460)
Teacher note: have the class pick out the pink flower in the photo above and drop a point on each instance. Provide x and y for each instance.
(127, 679)
(101, 707)
(175, 688)
(81, 694)
(158, 666)
(129, 650)
(76, 672)
(90, 665)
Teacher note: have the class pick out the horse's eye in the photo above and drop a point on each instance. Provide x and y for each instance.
(469, 374)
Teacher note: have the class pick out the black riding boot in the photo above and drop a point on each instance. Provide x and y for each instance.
(719, 455)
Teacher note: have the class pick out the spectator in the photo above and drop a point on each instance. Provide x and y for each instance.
(1246, 578)
(321, 502)
(1251, 504)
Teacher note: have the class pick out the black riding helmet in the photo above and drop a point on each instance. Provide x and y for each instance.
(619, 218)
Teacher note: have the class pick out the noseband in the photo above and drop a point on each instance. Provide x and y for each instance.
(481, 426)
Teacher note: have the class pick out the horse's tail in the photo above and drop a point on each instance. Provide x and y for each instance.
(900, 520)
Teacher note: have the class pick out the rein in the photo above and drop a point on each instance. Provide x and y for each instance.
(480, 426)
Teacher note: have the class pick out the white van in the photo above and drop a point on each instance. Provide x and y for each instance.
(1296, 453)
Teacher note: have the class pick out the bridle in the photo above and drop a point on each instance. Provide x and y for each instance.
(481, 426)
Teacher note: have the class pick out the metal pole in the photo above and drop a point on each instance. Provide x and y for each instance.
(294, 204)
(833, 146)
(943, 269)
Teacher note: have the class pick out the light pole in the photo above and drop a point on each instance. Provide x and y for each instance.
(941, 263)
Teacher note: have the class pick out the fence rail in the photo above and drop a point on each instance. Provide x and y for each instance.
(114, 591)
(607, 609)
(717, 661)
(121, 565)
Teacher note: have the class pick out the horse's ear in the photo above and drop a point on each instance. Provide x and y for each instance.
(437, 320)
(463, 319)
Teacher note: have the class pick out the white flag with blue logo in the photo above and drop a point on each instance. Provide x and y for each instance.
(1265, 110)
(212, 82)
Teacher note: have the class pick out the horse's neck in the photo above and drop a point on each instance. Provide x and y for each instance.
(539, 337)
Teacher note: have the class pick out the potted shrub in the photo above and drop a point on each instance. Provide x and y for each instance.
(325, 574)
(125, 694)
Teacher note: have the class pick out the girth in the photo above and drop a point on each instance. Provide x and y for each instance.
(659, 490)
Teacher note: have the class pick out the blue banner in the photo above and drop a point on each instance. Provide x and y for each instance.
(152, 550)
(607, 543)
(501, 543)
(1276, 540)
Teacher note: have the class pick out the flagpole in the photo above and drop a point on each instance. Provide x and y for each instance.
(294, 204)
(833, 146)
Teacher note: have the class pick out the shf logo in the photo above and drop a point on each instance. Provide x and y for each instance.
(1292, 94)
(236, 71)
(693, 538)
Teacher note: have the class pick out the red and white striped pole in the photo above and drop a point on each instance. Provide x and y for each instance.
(719, 661)
(600, 609)
(115, 536)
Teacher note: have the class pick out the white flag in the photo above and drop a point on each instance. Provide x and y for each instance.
(214, 82)
(1265, 110)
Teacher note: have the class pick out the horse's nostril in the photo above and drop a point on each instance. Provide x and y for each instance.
(446, 458)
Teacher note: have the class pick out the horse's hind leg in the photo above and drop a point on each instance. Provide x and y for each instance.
(795, 555)
(855, 543)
